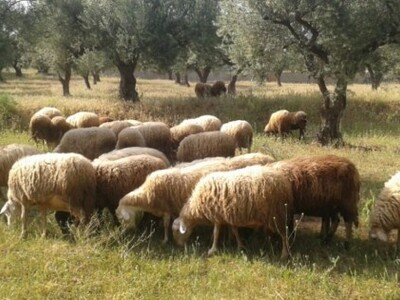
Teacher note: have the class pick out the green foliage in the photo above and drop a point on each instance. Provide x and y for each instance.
(9, 116)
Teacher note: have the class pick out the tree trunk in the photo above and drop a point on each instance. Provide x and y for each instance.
(18, 71)
(1, 76)
(331, 112)
(376, 78)
(67, 78)
(86, 79)
(203, 74)
(96, 77)
(170, 75)
(278, 76)
(177, 77)
(186, 79)
(127, 83)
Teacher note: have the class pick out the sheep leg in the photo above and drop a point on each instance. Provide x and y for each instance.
(214, 246)
(324, 229)
(333, 227)
(44, 221)
(166, 222)
(24, 222)
(349, 231)
(237, 237)
(285, 254)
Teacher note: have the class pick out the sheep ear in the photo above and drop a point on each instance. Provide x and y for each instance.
(182, 228)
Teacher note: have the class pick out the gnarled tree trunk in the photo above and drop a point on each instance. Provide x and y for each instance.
(278, 77)
(203, 74)
(18, 70)
(186, 79)
(232, 84)
(96, 76)
(177, 78)
(86, 79)
(331, 112)
(376, 77)
(127, 83)
(67, 68)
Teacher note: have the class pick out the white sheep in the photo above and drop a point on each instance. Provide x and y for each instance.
(386, 214)
(130, 137)
(254, 197)
(51, 112)
(118, 125)
(116, 178)
(90, 142)
(130, 151)
(205, 144)
(83, 119)
(283, 121)
(53, 181)
(208, 122)
(164, 192)
(241, 131)
(180, 131)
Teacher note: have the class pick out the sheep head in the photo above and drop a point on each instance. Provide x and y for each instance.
(11, 210)
(128, 216)
(181, 231)
(378, 233)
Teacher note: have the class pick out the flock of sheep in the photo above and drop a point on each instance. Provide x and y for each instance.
(188, 175)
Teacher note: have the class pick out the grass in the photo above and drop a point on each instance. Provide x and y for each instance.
(113, 265)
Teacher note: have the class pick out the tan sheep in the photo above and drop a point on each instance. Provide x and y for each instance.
(208, 122)
(253, 197)
(325, 186)
(51, 112)
(130, 137)
(218, 89)
(53, 181)
(241, 131)
(386, 214)
(116, 178)
(117, 126)
(180, 131)
(90, 142)
(283, 121)
(131, 151)
(202, 90)
(156, 135)
(205, 144)
(164, 192)
(83, 119)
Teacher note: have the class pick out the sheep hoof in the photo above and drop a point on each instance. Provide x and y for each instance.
(211, 252)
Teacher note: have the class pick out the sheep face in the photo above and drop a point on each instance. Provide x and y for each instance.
(181, 232)
(377, 233)
(11, 210)
(128, 216)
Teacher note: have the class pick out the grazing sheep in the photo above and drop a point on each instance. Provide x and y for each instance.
(130, 137)
(84, 119)
(253, 197)
(156, 135)
(218, 89)
(202, 90)
(116, 178)
(90, 142)
(48, 130)
(131, 151)
(205, 144)
(164, 192)
(53, 181)
(386, 214)
(283, 121)
(51, 112)
(179, 132)
(117, 126)
(241, 131)
(208, 122)
(325, 186)
(105, 119)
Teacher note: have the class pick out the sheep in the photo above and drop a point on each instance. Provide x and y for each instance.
(255, 196)
(116, 178)
(118, 126)
(218, 89)
(208, 122)
(202, 90)
(83, 119)
(325, 186)
(241, 131)
(205, 144)
(51, 112)
(131, 151)
(48, 130)
(105, 119)
(130, 137)
(53, 181)
(180, 131)
(164, 192)
(90, 142)
(156, 135)
(386, 214)
(283, 121)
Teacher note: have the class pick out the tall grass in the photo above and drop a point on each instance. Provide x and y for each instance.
(116, 265)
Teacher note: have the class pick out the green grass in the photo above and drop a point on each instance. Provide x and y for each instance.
(112, 265)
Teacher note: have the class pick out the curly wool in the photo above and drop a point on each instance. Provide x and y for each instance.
(83, 119)
(205, 144)
(90, 142)
(241, 131)
(156, 135)
(180, 131)
(130, 137)
(386, 213)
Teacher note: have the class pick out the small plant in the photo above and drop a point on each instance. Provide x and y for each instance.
(9, 117)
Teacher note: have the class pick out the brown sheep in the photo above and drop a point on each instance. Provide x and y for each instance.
(202, 90)
(48, 130)
(218, 89)
(283, 121)
(325, 186)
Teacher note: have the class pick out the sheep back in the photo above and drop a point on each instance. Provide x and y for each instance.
(130, 137)
(202, 90)
(218, 89)
(51, 112)
(117, 126)
(208, 122)
(83, 119)
(241, 131)
(156, 135)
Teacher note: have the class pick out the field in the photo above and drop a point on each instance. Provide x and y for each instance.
(114, 265)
